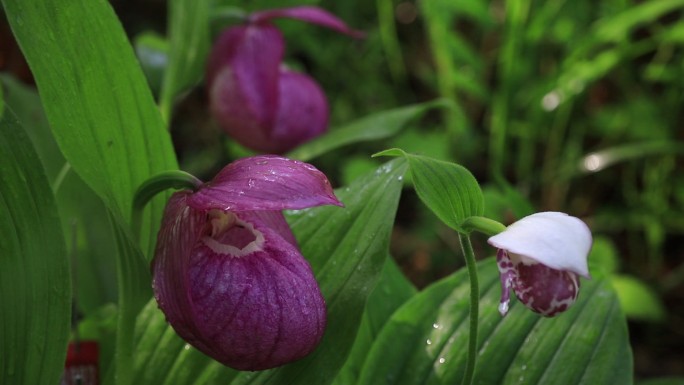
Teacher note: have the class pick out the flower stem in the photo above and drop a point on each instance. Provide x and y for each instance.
(474, 307)
(484, 225)
(170, 179)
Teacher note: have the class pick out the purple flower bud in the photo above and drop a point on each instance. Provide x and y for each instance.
(227, 271)
(255, 99)
(540, 258)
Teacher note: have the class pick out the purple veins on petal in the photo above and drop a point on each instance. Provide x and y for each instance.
(259, 104)
(265, 182)
(227, 271)
(243, 74)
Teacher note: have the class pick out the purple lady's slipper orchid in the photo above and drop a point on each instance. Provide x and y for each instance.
(227, 271)
(255, 99)
(541, 258)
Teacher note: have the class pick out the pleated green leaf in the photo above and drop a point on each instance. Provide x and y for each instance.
(373, 127)
(35, 285)
(96, 99)
(392, 290)
(448, 189)
(425, 340)
(106, 124)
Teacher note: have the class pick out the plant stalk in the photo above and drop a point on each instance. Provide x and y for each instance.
(474, 307)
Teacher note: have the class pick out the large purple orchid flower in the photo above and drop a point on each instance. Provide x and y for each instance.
(541, 258)
(228, 274)
(255, 99)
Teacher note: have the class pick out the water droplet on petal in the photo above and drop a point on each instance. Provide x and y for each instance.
(503, 308)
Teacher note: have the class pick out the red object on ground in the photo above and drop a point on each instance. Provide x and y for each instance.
(81, 366)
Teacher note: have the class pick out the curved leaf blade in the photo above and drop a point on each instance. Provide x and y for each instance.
(96, 98)
(373, 127)
(448, 189)
(35, 284)
(423, 341)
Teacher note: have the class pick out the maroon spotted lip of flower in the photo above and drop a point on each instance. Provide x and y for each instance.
(227, 271)
(257, 101)
(540, 258)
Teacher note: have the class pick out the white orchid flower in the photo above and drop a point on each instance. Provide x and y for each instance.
(541, 258)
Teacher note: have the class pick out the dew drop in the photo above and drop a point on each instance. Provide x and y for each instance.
(435, 326)
(442, 360)
(429, 342)
(186, 347)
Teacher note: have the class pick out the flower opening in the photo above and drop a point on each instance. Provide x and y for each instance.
(227, 271)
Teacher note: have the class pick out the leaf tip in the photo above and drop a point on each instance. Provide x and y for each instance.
(390, 152)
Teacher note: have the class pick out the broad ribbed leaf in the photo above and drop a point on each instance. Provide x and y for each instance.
(392, 290)
(373, 127)
(105, 121)
(188, 49)
(96, 98)
(424, 341)
(35, 286)
(82, 211)
(448, 189)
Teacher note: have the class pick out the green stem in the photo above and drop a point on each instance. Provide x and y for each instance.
(170, 179)
(484, 225)
(474, 308)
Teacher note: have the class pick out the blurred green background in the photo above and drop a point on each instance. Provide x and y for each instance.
(571, 106)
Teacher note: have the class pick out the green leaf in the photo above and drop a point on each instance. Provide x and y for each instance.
(80, 209)
(106, 123)
(423, 341)
(164, 358)
(637, 299)
(96, 98)
(35, 286)
(189, 42)
(448, 189)
(373, 127)
(392, 290)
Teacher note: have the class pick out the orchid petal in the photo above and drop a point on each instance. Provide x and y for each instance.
(302, 113)
(544, 290)
(274, 220)
(554, 239)
(181, 228)
(235, 289)
(243, 77)
(265, 182)
(309, 14)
